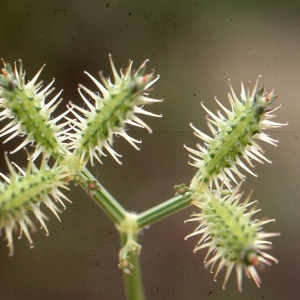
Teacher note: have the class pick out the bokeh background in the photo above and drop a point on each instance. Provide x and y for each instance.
(195, 46)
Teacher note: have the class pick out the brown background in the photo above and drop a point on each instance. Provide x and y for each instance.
(195, 46)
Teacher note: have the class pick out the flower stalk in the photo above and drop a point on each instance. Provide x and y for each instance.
(163, 210)
(113, 209)
(134, 282)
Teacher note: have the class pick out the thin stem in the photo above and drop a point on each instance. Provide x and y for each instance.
(163, 210)
(105, 200)
(117, 213)
(133, 282)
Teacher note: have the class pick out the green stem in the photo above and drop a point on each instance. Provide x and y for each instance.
(105, 200)
(134, 282)
(117, 213)
(163, 210)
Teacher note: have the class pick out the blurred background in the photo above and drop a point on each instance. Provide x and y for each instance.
(195, 46)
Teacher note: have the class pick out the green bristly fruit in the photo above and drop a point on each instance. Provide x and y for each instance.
(234, 138)
(25, 191)
(232, 237)
(25, 103)
(109, 116)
